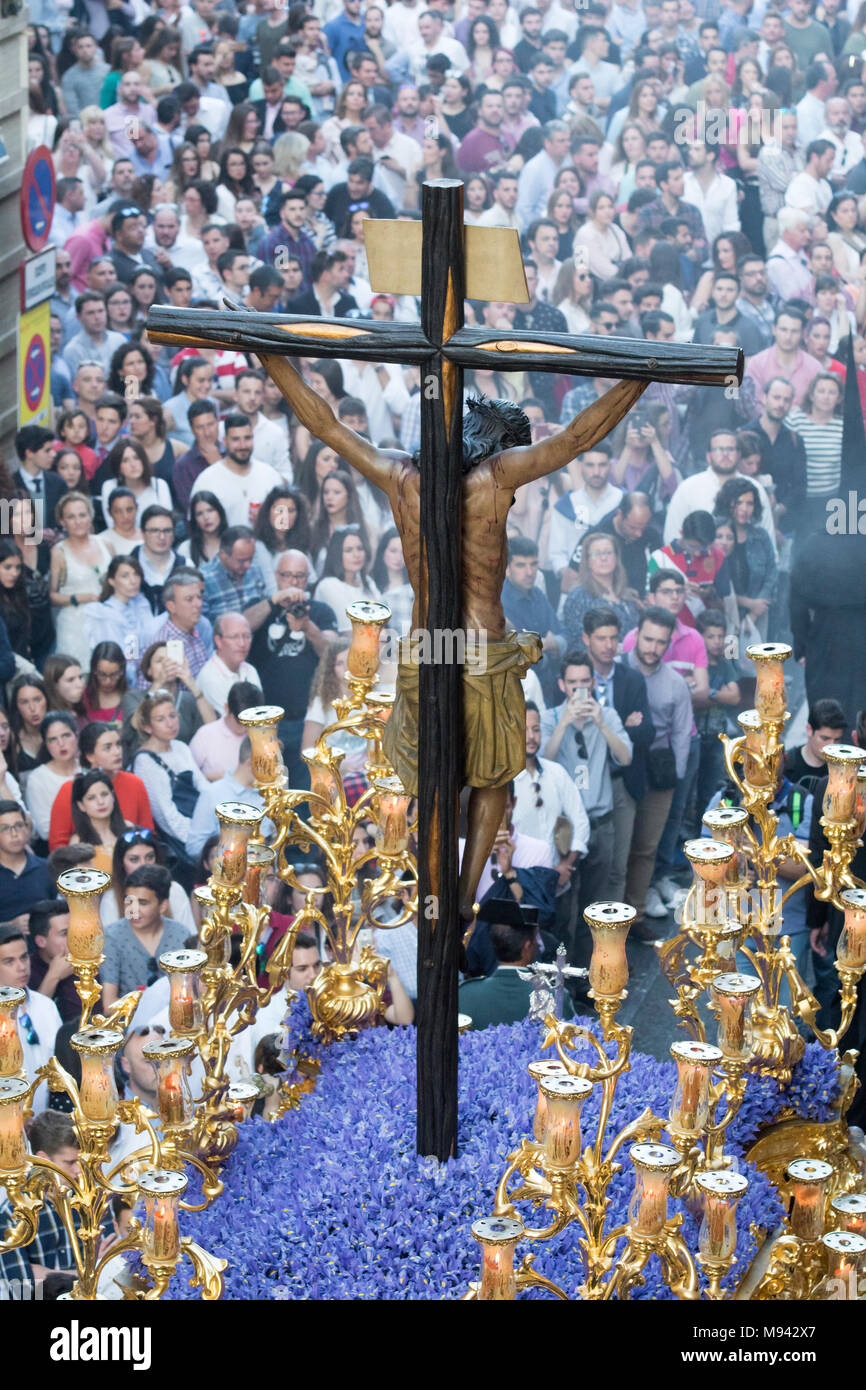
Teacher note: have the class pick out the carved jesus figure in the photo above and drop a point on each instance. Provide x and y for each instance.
(498, 457)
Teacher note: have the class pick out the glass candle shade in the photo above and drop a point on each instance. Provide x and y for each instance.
(711, 862)
(13, 1147)
(809, 1178)
(564, 1097)
(243, 1096)
(260, 859)
(733, 994)
(721, 1192)
(728, 825)
(691, 1099)
(262, 722)
(756, 775)
(324, 778)
(183, 969)
(161, 1189)
(11, 1050)
(860, 804)
(83, 889)
(653, 1165)
(169, 1058)
(367, 619)
(840, 798)
(608, 969)
(97, 1048)
(380, 703)
(845, 1251)
(497, 1236)
(851, 947)
(238, 823)
(850, 1209)
(543, 1071)
(769, 659)
(392, 827)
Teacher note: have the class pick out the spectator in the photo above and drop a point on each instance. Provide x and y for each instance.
(825, 724)
(752, 564)
(601, 581)
(51, 971)
(23, 876)
(236, 785)
(722, 700)
(240, 481)
(233, 582)
(134, 849)
(100, 747)
(216, 746)
(504, 996)
(168, 770)
(184, 596)
(228, 665)
(134, 944)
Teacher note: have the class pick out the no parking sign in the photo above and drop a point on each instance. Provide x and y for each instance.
(34, 366)
(37, 197)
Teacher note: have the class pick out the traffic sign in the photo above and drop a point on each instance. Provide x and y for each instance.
(39, 278)
(37, 197)
(34, 366)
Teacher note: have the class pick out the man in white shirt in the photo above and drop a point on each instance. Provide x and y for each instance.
(607, 78)
(699, 492)
(712, 193)
(501, 213)
(401, 24)
(820, 86)
(543, 792)
(233, 638)
(537, 175)
(809, 191)
(38, 1019)
(848, 146)
(580, 509)
(168, 246)
(433, 40)
(270, 444)
(395, 156)
(382, 390)
(239, 481)
(543, 241)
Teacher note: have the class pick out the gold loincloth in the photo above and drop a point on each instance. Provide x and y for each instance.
(494, 713)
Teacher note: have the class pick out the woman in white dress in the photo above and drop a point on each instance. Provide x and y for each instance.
(345, 574)
(79, 564)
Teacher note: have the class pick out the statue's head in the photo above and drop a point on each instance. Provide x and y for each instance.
(489, 427)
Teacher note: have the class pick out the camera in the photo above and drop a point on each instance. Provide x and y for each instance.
(299, 610)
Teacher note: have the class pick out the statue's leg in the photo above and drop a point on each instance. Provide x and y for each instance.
(484, 814)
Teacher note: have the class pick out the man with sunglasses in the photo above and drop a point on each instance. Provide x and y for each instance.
(38, 1019)
(543, 792)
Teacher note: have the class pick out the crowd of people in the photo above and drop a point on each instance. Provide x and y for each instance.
(676, 170)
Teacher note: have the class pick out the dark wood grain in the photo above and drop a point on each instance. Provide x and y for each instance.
(618, 359)
(440, 751)
(364, 339)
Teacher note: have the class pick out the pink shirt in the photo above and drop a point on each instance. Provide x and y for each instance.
(83, 247)
(686, 653)
(765, 365)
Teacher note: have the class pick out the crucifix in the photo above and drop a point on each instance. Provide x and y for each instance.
(450, 506)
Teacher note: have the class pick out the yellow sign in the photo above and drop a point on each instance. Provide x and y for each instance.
(34, 366)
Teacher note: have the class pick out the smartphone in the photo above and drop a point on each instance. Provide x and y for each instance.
(174, 650)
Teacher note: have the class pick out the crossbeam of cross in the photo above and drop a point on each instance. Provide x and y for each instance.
(442, 346)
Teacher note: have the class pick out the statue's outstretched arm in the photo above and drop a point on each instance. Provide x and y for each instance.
(318, 417)
(517, 466)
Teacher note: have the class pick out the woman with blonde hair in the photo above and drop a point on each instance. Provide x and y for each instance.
(601, 582)
(79, 564)
(572, 294)
(351, 104)
(290, 151)
(172, 778)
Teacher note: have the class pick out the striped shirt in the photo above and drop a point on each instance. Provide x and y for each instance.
(823, 445)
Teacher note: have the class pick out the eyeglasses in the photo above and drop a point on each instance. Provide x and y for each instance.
(12, 829)
(159, 530)
(581, 745)
(536, 787)
(30, 1034)
(129, 835)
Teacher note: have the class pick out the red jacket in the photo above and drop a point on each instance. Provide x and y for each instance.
(131, 798)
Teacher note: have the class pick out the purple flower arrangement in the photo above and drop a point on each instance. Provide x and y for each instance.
(332, 1202)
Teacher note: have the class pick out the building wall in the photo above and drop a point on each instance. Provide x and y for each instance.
(13, 130)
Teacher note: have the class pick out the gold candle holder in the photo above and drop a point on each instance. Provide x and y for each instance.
(367, 619)
(727, 824)
(243, 1096)
(860, 804)
(851, 947)
(564, 1098)
(217, 951)
(324, 778)
(183, 969)
(755, 774)
(721, 1192)
(690, 1103)
(543, 1071)
(769, 659)
(14, 1094)
(11, 1049)
(260, 859)
(711, 862)
(850, 1207)
(498, 1237)
(238, 823)
(262, 722)
(97, 1048)
(83, 889)
(161, 1190)
(392, 828)
(170, 1058)
(845, 1251)
(809, 1177)
(654, 1165)
(733, 995)
(840, 799)
(609, 924)
(380, 703)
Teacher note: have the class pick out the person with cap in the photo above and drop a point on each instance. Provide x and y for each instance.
(504, 996)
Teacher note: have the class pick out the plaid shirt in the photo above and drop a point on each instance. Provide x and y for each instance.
(196, 649)
(50, 1247)
(655, 213)
(303, 248)
(224, 594)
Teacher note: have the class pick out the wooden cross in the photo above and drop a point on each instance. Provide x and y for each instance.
(442, 347)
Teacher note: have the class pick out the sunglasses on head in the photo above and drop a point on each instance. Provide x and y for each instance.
(129, 835)
(30, 1034)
